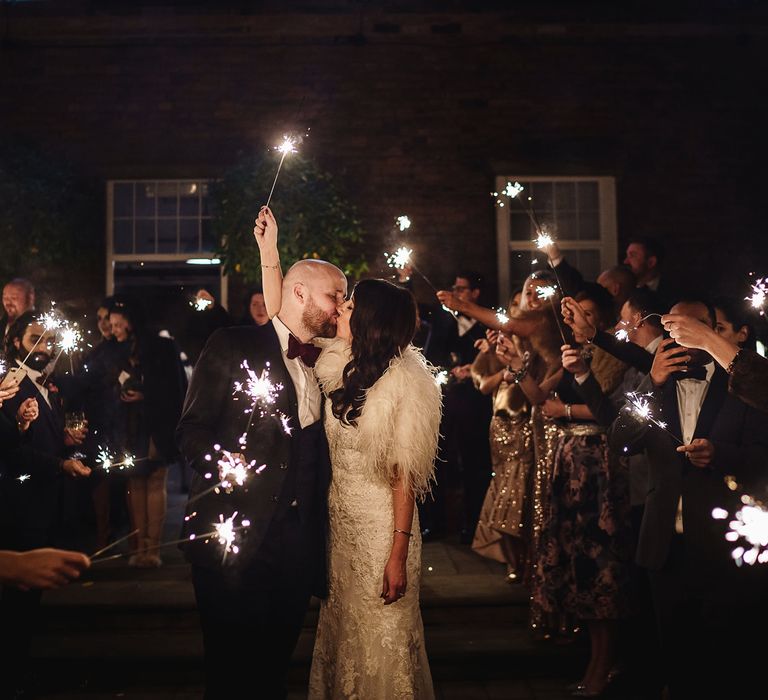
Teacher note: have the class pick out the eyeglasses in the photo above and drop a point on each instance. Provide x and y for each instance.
(460, 288)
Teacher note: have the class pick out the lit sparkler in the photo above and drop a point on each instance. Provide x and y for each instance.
(226, 532)
(639, 407)
(200, 304)
(403, 222)
(107, 461)
(544, 240)
(51, 321)
(622, 334)
(260, 390)
(233, 470)
(546, 293)
(23, 477)
(749, 524)
(400, 259)
(288, 145)
(759, 295)
(441, 378)
(501, 316)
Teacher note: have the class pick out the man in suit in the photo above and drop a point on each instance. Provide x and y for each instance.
(704, 603)
(35, 446)
(18, 297)
(645, 257)
(252, 604)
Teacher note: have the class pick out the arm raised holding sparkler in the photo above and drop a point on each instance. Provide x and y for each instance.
(265, 233)
(488, 317)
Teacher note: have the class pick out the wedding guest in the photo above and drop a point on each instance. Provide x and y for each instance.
(569, 279)
(734, 323)
(203, 317)
(702, 600)
(18, 298)
(41, 568)
(747, 371)
(256, 309)
(645, 257)
(620, 281)
(152, 385)
(582, 561)
(464, 443)
(501, 532)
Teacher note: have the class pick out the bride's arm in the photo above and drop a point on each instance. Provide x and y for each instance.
(395, 580)
(265, 233)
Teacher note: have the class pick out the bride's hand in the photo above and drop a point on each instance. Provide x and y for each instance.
(265, 230)
(395, 581)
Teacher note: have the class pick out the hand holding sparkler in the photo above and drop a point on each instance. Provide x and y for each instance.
(43, 569)
(203, 300)
(699, 452)
(669, 358)
(688, 331)
(573, 361)
(8, 392)
(75, 468)
(507, 353)
(577, 320)
(265, 232)
(27, 413)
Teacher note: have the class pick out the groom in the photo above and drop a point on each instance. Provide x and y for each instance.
(252, 604)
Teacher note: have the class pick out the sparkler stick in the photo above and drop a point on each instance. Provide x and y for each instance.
(116, 542)
(546, 294)
(287, 146)
(640, 409)
(50, 322)
(623, 334)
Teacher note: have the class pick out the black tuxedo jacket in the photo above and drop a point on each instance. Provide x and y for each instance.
(30, 508)
(740, 437)
(213, 416)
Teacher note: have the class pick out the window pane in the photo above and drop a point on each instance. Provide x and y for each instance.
(166, 236)
(189, 199)
(167, 198)
(122, 199)
(520, 228)
(543, 199)
(189, 236)
(589, 226)
(567, 226)
(145, 199)
(205, 200)
(565, 196)
(123, 233)
(209, 240)
(587, 196)
(145, 236)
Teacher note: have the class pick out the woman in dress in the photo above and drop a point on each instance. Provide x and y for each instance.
(382, 414)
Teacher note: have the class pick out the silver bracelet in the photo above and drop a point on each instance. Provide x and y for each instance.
(404, 532)
(272, 267)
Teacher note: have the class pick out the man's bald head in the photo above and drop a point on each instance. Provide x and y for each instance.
(619, 281)
(312, 292)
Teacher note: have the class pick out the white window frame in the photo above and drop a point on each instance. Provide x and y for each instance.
(607, 245)
(112, 257)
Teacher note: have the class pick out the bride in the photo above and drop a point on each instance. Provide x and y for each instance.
(381, 416)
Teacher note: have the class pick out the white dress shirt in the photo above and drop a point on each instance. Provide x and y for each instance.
(34, 375)
(304, 380)
(690, 398)
(464, 325)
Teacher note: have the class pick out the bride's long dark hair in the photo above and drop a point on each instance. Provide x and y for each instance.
(383, 323)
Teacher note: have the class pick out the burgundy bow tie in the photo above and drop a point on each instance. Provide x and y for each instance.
(307, 352)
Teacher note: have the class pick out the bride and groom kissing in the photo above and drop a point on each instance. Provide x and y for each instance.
(332, 511)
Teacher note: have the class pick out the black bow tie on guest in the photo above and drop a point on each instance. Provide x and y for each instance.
(306, 352)
(699, 373)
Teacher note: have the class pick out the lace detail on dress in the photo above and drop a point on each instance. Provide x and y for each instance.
(365, 650)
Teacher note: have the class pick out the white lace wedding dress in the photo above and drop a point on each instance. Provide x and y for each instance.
(365, 650)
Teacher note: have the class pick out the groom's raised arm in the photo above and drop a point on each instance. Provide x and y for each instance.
(205, 404)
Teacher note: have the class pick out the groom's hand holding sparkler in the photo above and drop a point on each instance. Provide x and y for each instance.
(669, 358)
(265, 232)
(75, 468)
(28, 412)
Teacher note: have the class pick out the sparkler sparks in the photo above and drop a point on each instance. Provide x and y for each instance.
(622, 334)
(544, 240)
(226, 532)
(288, 145)
(400, 258)
(70, 338)
(441, 378)
(512, 189)
(107, 461)
(501, 316)
(233, 470)
(23, 477)
(403, 222)
(546, 293)
(200, 304)
(750, 524)
(258, 387)
(759, 295)
(640, 408)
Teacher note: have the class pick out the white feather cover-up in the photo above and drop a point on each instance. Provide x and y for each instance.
(364, 649)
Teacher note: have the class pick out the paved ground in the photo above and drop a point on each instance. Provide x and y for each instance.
(133, 634)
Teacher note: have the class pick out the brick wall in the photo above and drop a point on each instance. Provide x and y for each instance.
(417, 112)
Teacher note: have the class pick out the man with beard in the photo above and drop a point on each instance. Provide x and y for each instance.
(704, 603)
(18, 297)
(252, 604)
(29, 506)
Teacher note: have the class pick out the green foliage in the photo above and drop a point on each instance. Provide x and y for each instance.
(315, 219)
(51, 220)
